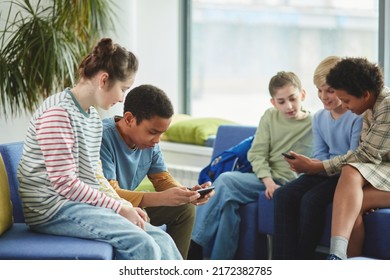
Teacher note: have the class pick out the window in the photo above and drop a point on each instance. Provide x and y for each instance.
(236, 46)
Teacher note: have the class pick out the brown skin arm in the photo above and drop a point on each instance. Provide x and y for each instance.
(304, 164)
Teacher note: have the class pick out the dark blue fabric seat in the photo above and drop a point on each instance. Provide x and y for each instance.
(20, 243)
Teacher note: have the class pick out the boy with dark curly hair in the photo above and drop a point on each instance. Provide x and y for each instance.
(364, 172)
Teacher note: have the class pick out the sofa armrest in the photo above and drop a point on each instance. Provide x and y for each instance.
(12, 153)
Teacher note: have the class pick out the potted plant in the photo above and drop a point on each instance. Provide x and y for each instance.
(41, 44)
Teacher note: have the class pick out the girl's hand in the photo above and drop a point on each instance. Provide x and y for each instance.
(270, 187)
(135, 215)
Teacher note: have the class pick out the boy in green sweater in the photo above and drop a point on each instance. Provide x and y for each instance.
(282, 128)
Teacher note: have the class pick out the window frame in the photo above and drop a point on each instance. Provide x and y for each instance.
(185, 21)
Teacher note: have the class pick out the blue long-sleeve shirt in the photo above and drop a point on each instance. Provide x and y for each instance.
(335, 137)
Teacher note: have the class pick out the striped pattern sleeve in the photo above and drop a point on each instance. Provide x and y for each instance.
(56, 138)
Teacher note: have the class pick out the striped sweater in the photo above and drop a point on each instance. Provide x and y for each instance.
(60, 159)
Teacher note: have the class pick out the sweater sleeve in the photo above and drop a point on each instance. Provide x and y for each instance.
(355, 133)
(163, 181)
(133, 197)
(105, 186)
(258, 154)
(56, 138)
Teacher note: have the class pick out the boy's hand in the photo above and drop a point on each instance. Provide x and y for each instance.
(178, 196)
(202, 199)
(270, 187)
(304, 164)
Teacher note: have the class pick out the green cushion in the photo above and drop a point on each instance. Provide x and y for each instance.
(195, 130)
(176, 118)
(145, 186)
(5, 200)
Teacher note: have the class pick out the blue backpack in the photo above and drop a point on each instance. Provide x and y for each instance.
(233, 159)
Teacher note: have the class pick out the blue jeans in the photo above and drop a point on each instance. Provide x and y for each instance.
(299, 209)
(217, 222)
(97, 223)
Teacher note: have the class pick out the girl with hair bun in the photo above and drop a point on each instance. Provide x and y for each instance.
(61, 182)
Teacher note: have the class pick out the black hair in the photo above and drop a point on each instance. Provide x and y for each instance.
(146, 102)
(356, 76)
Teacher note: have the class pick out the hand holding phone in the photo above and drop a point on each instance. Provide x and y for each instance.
(288, 156)
(204, 191)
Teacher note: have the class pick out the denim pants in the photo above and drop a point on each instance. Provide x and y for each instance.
(217, 222)
(299, 215)
(129, 241)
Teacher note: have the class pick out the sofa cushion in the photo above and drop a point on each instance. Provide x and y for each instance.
(195, 130)
(251, 244)
(12, 153)
(175, 118)
(266, 214)
(20, 243)
(377, 227)
(5, 199)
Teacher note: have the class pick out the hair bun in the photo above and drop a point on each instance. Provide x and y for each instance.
(104, 47)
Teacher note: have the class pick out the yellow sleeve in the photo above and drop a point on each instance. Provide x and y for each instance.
(133, 197)
(163, 181)
(105, 187)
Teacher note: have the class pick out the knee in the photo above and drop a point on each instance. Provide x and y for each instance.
(281, 195)
(149, 244)
(350, 173)
(187, 212)
(233, 180)
(222, 184)
(140, 246)
(151, 250)
(223, 179)
(310, 202)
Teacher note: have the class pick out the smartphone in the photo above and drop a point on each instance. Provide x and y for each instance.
(204, 191)
(288, 156)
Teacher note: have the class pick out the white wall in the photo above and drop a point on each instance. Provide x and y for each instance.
(150, 29)
(14, 128)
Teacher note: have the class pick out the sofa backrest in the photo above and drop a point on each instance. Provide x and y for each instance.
(230, 135)
(12, 153)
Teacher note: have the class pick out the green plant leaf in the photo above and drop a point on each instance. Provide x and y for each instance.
(41, 45)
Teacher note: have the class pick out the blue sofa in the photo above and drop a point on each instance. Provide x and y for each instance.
(20, 243)
(256, 228)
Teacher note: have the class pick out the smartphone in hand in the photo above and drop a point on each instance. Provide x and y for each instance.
(204, 191)
(288, 156)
